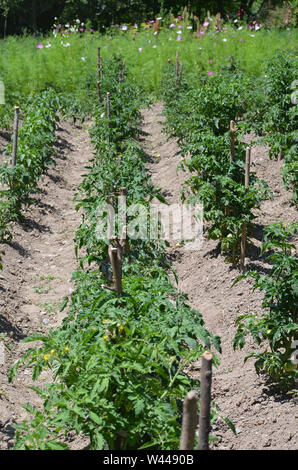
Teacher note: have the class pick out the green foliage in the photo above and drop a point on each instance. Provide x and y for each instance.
(199, 112)
(118, 362)
(280, 119)
(276, 326)
(35, 141)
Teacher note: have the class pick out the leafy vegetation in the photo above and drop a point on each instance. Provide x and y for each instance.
(276, 327)
(280, 120)
(118, 361)
(35, 154)
(199, 111)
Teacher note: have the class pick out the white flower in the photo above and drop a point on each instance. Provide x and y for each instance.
(257, 27)
(159, 18)
(102, 115)
(155, 33)
(224, 39)
(240, 27)
(179, 32)
(124, 28)
(154, 46)
(78, 21)
(67, 25)
(236, 21)
(83, 59)
(48, 45)
(189, 27)
(67, 44)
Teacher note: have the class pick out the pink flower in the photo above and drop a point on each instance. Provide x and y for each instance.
(210, 61)
(250, 27)
(179, 38)
(206, 23)
(202, 32)
(140, 49)
(210, 73)
(180, 26)
(172, 25)
(39, 46)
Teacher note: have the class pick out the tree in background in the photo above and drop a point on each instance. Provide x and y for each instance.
(37, 16)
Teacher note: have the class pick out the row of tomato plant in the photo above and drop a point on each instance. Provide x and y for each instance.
(198, 113)
(279, 120)
(118, 361)
(35, 153)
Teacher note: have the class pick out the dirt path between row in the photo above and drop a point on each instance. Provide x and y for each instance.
(263, 419)
(38, 267)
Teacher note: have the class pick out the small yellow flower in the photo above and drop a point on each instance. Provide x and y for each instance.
(66, 349)
(157, 156)
(53, 352)
(47, 357)
(105, 337)
(121, 328)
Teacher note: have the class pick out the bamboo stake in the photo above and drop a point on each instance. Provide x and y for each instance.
(189, 421)
(177, 65)
(116, 267)
(232, 140)
(99, 66)
(180, 72)
(99, 62)
(108, 106)
(244, 226)
(205, 401)
(15, 135)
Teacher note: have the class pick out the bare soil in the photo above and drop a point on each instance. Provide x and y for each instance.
(264, 419)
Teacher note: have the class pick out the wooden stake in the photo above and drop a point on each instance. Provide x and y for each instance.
(244, 227)
(232, 140)
(116, 267)
(124, 66)
(280, 155)
(15, 135)
(99, 67)
(189, 421)
(177, 64)
(181, 71)
(108, 106)
(205, 401)
(99, 62)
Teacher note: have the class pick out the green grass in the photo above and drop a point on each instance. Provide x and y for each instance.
(25, 69)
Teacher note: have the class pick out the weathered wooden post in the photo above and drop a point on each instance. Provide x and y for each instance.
(205, 401)
(15, 135)
(108, 107)
(189, 421)
(244, 226)
(232, 139)
(99, 67)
